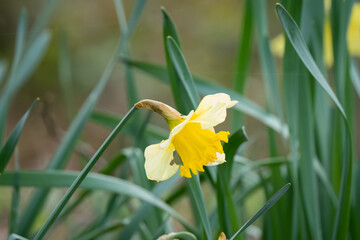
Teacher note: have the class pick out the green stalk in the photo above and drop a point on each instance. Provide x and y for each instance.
(55, 213)
(243, 58)
(341, 225)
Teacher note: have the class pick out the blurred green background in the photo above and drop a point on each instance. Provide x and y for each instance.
(209, 33)
(93, 31)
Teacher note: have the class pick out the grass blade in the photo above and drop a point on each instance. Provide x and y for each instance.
(15, 199)
(141, 213)
(135, 17)
(340, 228)
(27, 65)
(321, 173)
(102, 230)
(19, 48)
(3, 67)
(196, 191)
(244, 49)
(65, 78)
(188, 101)
(231, 147)
(127, 31)
(109, 121)
(94, 181)
(178, 90)
(206, 87)
(266, 58)
(107, 170)
(243, 56)
(307, 178)
(355, 78)
(264, 209)
(63, 152)
(136, 160)
(182, 70)
(340, 16)
(43, 19)
(14, 236)
(227, 213)
(298, 42)
(186, 98)
(31, 59)
(9, 146)
(55, 213)
(292, 72)
(20, 41)
(355, 218)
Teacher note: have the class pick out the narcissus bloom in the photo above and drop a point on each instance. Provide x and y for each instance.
(193, 137)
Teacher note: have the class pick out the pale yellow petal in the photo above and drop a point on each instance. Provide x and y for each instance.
(179, 127)
(158, 161)
(220, 159)
(212, 110)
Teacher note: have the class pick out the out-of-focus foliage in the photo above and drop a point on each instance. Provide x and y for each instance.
(90, 61)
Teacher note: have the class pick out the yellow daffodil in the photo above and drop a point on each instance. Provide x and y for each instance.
(193, 137)
(277, 45)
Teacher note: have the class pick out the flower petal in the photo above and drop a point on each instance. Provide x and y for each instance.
(158, 161)
(180, 126)
(220, 159)
(212, 110)
(197, 147)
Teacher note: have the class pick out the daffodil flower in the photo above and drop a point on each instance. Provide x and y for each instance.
(193, 137)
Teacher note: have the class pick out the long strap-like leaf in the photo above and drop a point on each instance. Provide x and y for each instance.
(55, 213)
(341, 224)
(94, 181)
(7, 150)
(264, 209)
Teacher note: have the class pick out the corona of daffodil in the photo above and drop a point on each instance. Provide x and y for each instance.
(193, 137)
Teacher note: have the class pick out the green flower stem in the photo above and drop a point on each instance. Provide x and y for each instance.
(55, 213)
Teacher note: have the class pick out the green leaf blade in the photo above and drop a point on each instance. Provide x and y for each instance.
(63, 152)
(80, 178)
(264, 209)
(227, 212)
(9, 146)
(298, 42)
(340, 228)
(206, 87)
(94, 181)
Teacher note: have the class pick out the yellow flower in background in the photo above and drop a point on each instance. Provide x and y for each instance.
(277, 45)
(353, 34)
(193, 137)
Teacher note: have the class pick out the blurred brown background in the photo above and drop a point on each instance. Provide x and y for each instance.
(209, 32)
